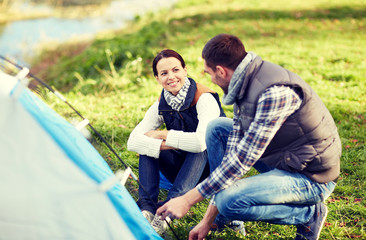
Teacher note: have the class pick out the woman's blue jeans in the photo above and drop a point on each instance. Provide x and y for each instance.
(274, 195)
(183, 169)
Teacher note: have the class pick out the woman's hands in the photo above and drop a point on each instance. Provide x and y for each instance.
(160, 134)
(157, 134)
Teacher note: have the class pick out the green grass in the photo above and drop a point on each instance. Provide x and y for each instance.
(111, 82)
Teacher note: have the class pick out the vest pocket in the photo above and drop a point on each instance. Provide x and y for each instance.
(297, 160)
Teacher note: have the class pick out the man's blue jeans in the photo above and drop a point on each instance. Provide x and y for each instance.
(183, 169)
(274, 196)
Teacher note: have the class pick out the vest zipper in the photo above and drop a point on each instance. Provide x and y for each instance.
(180, 115)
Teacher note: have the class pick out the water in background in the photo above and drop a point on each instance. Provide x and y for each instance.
(21, 39)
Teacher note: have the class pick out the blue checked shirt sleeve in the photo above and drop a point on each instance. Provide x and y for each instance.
(243, 149)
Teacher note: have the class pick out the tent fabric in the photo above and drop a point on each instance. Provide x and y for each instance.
(50, 176)
(164, 182)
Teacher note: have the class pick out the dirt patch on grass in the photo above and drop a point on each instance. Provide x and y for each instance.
(43, 64)
(52, 57)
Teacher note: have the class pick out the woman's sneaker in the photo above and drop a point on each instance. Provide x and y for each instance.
(311, 230)
(148, 215)
(160, 226)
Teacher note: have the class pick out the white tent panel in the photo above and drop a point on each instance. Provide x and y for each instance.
(44, 195)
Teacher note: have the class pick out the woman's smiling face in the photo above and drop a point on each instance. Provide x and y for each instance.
(171, 74)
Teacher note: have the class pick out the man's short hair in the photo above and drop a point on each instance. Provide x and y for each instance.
(225, 50)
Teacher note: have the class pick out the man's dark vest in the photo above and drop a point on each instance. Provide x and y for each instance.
(186, 118)
(308, 141)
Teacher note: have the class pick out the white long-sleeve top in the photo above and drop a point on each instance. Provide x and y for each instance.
(207, 110)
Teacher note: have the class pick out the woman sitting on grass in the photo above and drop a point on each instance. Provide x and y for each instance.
(179, 152)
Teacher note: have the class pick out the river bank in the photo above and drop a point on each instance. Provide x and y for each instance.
(47, 27)
(31, 11)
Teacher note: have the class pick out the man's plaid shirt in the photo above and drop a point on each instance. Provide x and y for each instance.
(245, 148)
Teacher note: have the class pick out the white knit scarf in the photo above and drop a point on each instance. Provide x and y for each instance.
(176, 102)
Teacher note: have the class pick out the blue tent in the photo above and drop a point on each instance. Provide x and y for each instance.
(51, 177)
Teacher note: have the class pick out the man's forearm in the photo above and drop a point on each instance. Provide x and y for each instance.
(210, 215)
(201, 230)
(193, 196)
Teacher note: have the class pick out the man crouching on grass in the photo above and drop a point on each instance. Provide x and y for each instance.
(281, 128)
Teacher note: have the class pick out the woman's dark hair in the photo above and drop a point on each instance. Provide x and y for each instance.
(166, 53)
(225, 50)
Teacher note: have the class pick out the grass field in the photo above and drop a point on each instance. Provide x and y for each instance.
(111, 82)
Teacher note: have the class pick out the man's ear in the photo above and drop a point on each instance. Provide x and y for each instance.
(221, 71)
(224, 72)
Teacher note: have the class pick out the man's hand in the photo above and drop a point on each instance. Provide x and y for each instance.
(175, 208)
(179, 206)
(200, 231)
